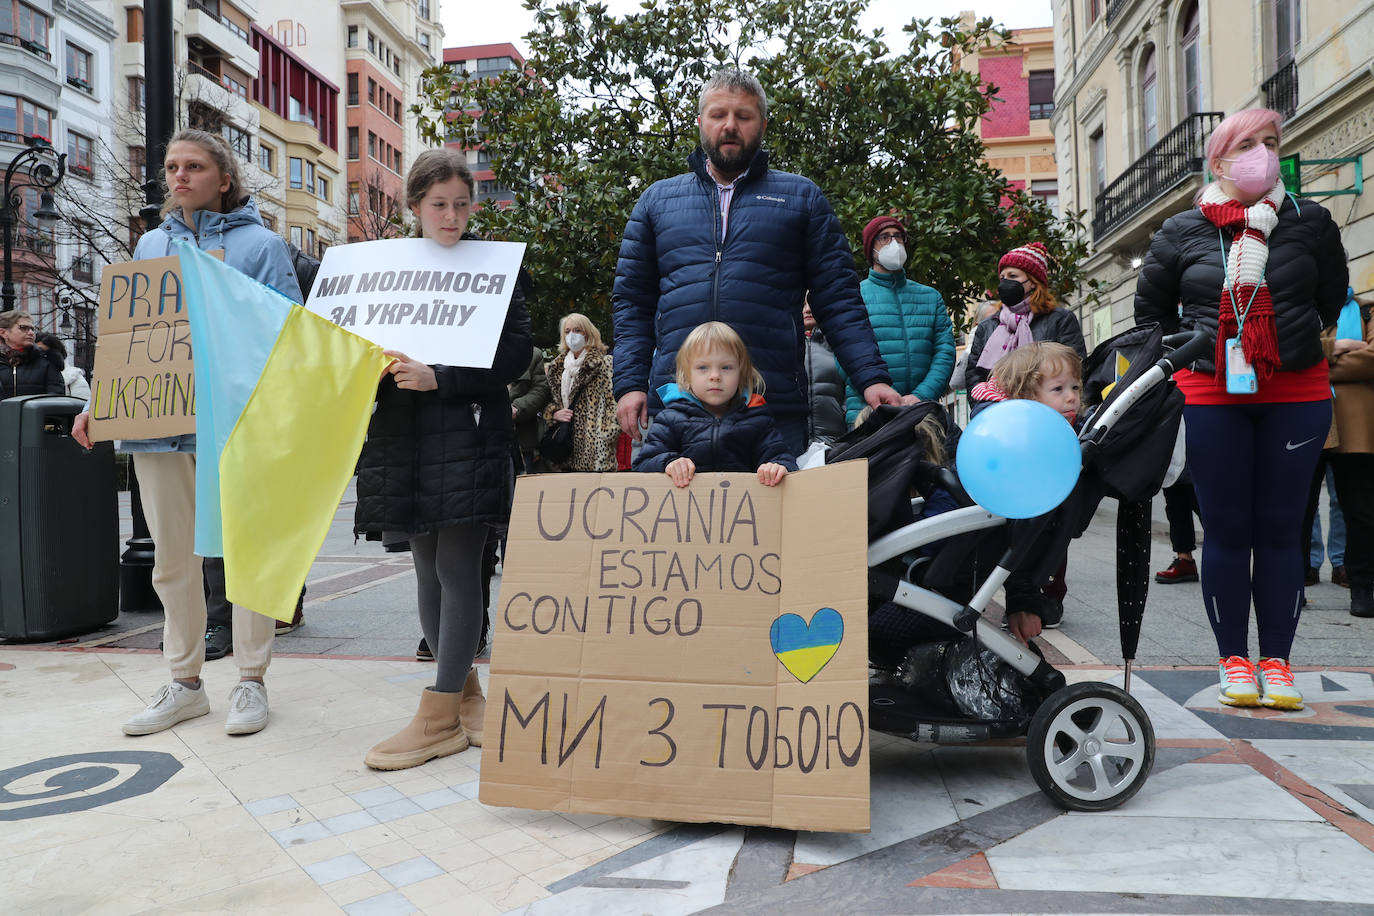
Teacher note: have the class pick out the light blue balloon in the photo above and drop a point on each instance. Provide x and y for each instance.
(1018, 459)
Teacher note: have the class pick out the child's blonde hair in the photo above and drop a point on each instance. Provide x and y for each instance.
(930, 432)
(706, 337)
(1020, 372)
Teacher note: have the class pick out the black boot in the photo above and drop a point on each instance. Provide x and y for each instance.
(1361, 600)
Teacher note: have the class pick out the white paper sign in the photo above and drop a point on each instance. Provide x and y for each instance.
(441, 305)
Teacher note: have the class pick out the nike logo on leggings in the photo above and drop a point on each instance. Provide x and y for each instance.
(1290, 446)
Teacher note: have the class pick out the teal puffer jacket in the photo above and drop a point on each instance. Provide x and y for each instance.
(915, 337)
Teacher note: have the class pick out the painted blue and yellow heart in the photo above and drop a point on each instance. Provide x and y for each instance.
(805, 648)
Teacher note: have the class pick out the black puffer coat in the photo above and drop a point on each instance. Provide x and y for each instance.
(1058, 326)
(434, 459)
(826, 420)
(741, 440)
(1306, 273)
(36, 373)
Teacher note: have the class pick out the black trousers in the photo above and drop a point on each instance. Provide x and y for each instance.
(1354, 475)
(1180, 505)
(1314, 498)
(219, 610)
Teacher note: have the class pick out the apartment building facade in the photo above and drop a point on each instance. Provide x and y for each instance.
(483, 62)
(388, 47)
(57, 86)
(376, 50)
(298, 147)
(1142, 83)
(1016, 130)
(213, 67)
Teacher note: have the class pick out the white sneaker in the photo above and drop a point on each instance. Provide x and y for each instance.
(1275, 681)
(173, 703)
(1238, 685)
(247, 709)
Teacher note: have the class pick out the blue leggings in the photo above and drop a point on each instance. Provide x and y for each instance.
(1251, 467)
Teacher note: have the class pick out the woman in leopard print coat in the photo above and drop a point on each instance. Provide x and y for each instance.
(580, 381)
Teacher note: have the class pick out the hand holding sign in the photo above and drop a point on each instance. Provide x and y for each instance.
(79, 430)
(410, 374)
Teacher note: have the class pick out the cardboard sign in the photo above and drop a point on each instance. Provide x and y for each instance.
(440, 305)
(143, 383)
(694, 654)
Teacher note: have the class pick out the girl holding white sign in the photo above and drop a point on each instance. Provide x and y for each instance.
(208, 207)
(437, 466)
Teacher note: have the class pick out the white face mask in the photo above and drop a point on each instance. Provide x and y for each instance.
(576, 341)
(892, 255)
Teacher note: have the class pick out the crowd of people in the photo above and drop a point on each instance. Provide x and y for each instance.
(743, 338)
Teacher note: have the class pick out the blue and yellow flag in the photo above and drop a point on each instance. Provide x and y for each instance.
(283, 399)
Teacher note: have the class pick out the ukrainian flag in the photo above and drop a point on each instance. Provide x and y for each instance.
(283, 399)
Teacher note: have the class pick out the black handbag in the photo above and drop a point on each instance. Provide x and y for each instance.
(556, 445)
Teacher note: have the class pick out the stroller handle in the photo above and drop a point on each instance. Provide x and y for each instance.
(1185, 347)
(1195, 344)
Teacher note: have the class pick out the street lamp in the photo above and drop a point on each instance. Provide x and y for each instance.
(43, 168)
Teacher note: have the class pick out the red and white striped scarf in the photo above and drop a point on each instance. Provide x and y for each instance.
(1245, 283)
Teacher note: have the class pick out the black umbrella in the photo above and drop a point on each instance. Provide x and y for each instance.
(1132, 573)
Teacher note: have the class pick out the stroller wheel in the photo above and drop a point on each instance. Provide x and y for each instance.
(1090, 746)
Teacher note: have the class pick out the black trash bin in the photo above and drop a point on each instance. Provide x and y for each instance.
(59, 523)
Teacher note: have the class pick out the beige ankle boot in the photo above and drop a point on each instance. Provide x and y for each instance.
(434, 732)
(473, 709)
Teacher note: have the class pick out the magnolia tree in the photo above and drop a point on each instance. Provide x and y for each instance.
(606, 105)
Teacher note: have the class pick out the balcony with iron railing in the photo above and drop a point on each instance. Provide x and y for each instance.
(1165, 165)
(211, 8)
(1281, 90)
(35, 242)
(202, 70)
(223, 80)
(1115, 8)
(210, 34)
(32, 47)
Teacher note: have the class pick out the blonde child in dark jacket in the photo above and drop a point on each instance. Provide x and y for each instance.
(709, 422)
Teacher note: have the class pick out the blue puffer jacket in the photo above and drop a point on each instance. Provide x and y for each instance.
(915, 337)
(741, 440)
(783, 239)
(249, 247)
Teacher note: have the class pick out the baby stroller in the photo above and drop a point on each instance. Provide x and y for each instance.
(939, 671)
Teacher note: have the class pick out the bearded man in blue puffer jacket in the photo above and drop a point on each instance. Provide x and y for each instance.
(735, 241)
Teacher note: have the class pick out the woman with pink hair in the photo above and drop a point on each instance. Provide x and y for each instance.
(1262, 271)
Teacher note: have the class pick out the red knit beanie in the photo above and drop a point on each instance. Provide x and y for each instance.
(876, 225)
(1032, 258)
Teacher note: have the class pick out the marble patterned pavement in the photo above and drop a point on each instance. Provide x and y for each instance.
(1246, 811)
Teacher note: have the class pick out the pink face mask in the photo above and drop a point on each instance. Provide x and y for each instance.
(1255, 170)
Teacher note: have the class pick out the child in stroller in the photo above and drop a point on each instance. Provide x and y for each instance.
(1049, 373)
(1052, 374)
(940, 672)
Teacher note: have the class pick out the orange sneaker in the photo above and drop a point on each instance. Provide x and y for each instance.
(1275, 680)
(1238, 684)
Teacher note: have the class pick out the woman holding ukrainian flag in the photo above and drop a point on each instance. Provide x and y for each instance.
(437, 466)
(206, 207)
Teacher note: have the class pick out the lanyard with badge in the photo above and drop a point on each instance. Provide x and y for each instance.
(1240, 375)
